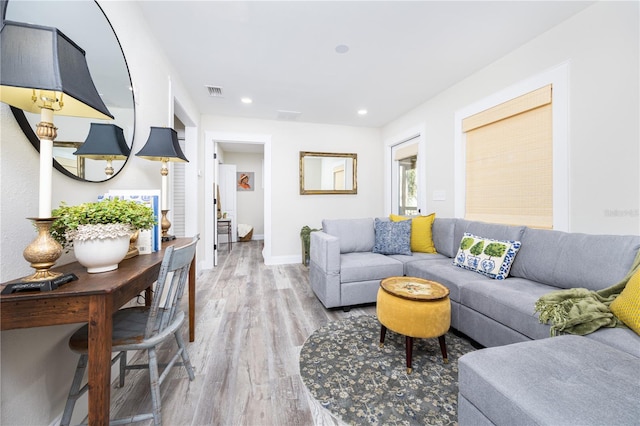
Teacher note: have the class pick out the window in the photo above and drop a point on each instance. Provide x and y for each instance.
(509, 162)
(405, 179)
(408, 196)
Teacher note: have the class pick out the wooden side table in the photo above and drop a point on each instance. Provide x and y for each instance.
(414, 307)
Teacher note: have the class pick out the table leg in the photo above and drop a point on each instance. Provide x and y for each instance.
(148, 296)
(100, 333)
(192, 301)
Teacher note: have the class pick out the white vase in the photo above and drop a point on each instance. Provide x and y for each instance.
(101, 255)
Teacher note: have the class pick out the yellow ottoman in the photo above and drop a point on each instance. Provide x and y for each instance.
(414, 308)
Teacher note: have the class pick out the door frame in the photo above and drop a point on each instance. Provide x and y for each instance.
(411, 133)
(211, 137)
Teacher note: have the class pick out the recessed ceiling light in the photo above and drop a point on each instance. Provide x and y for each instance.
(246, 100)
(342, 48)
(362, 112)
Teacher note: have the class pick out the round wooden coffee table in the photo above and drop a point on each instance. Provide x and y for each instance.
(415, 308)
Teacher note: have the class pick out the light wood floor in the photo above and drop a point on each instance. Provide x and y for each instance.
(251, 321)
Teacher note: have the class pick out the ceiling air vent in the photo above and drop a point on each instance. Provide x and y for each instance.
(288, 115)
(215, 91)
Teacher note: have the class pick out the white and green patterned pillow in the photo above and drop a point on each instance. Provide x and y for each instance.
(392, 237)
(492, 258)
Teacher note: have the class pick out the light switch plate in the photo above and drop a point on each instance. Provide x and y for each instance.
(439, 195)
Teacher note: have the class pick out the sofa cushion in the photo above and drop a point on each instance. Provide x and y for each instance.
(627, 305)
(621, 338)
(443, 236)
(486, 256)
(566, 260)
(565, 380)
(421, 232)
(356, 235)
(442, 271)
(495, 231)
(365, 266)
(392, 237)
(418, 256)
(509, 302)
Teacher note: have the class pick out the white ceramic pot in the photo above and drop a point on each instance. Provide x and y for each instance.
(101, 255)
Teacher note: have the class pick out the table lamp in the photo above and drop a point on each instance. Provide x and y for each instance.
(43, 71)
(162, 145)
(104, 142)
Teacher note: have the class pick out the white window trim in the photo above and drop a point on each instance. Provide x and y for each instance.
(559, 78)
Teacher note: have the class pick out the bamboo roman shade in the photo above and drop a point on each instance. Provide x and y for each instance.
(509, 162)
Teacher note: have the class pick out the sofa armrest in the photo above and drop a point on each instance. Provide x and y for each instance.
(325, 252)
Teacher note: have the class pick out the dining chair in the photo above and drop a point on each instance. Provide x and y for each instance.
(144, 328)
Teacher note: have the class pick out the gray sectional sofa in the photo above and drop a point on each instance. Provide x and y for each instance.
(497, 385)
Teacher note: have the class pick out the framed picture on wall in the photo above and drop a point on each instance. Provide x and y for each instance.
(245, 181)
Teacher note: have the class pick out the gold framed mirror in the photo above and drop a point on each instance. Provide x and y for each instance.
(328, 173)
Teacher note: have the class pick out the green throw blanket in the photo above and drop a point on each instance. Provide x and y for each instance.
(581, 311)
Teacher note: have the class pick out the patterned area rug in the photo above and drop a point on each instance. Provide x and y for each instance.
(344, 368)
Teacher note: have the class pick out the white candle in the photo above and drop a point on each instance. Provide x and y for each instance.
(165, 193)
(46, 168)
(46, 172)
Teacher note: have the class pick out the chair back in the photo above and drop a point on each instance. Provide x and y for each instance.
(173, 276)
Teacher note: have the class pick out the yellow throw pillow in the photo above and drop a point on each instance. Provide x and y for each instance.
(421, 236)
(627, 305)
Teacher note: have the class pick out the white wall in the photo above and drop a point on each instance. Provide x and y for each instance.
(601, 45)
(290, 210)
(36, 365)
(249, 204)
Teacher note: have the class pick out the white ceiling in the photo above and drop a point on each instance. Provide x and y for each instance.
(282, 54)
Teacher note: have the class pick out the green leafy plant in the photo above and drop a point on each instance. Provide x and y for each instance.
(115, 217)
(305, 235)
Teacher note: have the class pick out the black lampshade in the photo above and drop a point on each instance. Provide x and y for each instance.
(43, 61)
(162, 145)
(104, 141)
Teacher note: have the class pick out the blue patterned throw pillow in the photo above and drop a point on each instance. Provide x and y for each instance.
(392, 237)
(492, 258)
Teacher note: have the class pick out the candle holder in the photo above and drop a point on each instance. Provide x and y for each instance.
(43, 252)
(165, 225)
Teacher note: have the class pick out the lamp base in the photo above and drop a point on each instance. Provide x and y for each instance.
(165, 225)
(133, 249)
(43, 252)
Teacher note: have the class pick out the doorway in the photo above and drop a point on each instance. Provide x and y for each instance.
(234, 141)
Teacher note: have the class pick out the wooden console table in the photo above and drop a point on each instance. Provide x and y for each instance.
(93, 298)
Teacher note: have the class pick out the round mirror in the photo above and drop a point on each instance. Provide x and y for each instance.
(85, 23)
